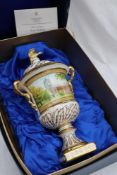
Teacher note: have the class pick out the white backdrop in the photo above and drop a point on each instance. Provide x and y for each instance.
(8, 165)
(93, 23)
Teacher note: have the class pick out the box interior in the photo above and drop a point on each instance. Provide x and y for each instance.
(62, 40)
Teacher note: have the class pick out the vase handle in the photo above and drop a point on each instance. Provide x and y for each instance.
(24, 91)
(71, 73)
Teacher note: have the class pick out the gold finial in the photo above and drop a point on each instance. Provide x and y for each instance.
(33, 55)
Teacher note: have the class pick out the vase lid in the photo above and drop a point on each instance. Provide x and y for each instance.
(35, 61)
(37, 66)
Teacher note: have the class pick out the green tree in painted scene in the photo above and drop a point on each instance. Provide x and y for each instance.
(60, 76)
(40, 95)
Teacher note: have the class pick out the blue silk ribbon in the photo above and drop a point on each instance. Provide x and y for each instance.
(40, 147)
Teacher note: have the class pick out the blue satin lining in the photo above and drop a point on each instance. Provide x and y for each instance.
(41, 147)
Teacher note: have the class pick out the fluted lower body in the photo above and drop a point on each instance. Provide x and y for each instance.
(60, 117)
(67, 133)
(57, 115)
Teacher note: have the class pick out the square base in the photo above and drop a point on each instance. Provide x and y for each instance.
(79, 151)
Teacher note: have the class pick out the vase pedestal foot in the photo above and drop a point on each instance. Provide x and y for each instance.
(78, 151)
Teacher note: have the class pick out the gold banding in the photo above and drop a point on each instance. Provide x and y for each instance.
(66, 130)
(55, 102)
(64, 127)
(44, 73)
(81, 144)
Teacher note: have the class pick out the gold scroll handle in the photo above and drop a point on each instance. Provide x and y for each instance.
(23, 91)
(71, 73)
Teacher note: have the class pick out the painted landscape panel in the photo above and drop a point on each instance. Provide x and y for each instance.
(49, 88)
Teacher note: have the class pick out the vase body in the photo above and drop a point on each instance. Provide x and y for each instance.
(50, 89)
(47, 87)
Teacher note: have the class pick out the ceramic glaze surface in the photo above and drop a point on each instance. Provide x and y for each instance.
(57, 115)
(47, 89)
(50, 88)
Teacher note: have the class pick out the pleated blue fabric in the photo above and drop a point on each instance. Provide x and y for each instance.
(40, 147)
